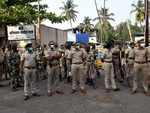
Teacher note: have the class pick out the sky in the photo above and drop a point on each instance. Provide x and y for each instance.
(121, 9)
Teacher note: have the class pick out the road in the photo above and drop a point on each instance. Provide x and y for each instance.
(96, 101)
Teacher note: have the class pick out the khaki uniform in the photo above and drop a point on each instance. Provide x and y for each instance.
(53, 70)
(62, 63)
(68, 63)
(77, 67)
(130, 62)
(109, 70)
(30, 77)
(117, 63)
(140, 68)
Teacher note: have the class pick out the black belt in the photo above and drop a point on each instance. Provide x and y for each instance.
(139, 62)
(131, 58)
(108, 61)
(78, 63)
(29, 67)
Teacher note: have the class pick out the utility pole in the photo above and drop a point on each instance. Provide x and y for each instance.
(146, 23)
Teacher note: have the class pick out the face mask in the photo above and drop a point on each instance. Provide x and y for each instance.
(77, 47)
(52, 46)
(30, 50)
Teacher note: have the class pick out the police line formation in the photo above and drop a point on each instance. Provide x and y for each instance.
(76, 64)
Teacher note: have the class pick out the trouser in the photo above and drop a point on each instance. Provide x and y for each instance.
(78, 73)
(148, 77)
(130, 72)
(117, 70)
(62, 69)
(68, 68)
(30, 81)
(1, 71)
(140, 75)
(109, 76)
(53, 78)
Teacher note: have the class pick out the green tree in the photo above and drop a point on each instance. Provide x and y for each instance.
(69, 11)
(13, 12)
(105, 15)
(122, 31)
(104, 29)
(106, 34)
(86, 26)
(139, 11)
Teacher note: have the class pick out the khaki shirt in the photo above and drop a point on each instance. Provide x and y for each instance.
(50, 56)
(77, 56)
(29, 59)
(140, 55)
(107, 55)
(116, 52)
(130, 53)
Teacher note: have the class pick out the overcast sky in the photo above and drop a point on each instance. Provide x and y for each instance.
(121, 9)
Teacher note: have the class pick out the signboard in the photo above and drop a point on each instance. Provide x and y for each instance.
(82, 38)
(92, 40)
(22, 32)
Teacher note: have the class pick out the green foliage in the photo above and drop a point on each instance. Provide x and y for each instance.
(86, 26)
(13, 12)
(122, 31)
(105, 31)
(105, 15)
(139, 11)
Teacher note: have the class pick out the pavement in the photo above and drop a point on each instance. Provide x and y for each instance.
(96, 101)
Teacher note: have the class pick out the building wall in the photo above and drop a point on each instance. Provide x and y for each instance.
(52, 34)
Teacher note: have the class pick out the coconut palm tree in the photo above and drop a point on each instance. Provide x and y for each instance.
(86, 26)
(139, 12)
(105, 15)
(69, 11)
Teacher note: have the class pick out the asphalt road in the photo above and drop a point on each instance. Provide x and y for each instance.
(96, 101)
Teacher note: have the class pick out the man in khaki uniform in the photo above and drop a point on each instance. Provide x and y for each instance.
(68, 63)
(109, 70)
(77, 58)
(116, 59)
(53, 57)
(30, 78)
(140, 68)
(62, 62)
(130, 63)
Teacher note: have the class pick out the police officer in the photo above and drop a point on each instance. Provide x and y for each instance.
(140, 68)
(14, 63)
(130, 63)
(116, 59)
(77, 58)
(62, 62)
(39, 62)
(109, 69)
(91, 69)
(30, 78)
(53, 57)
(68, 63)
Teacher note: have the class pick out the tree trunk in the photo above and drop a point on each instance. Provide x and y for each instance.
(99, 40)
